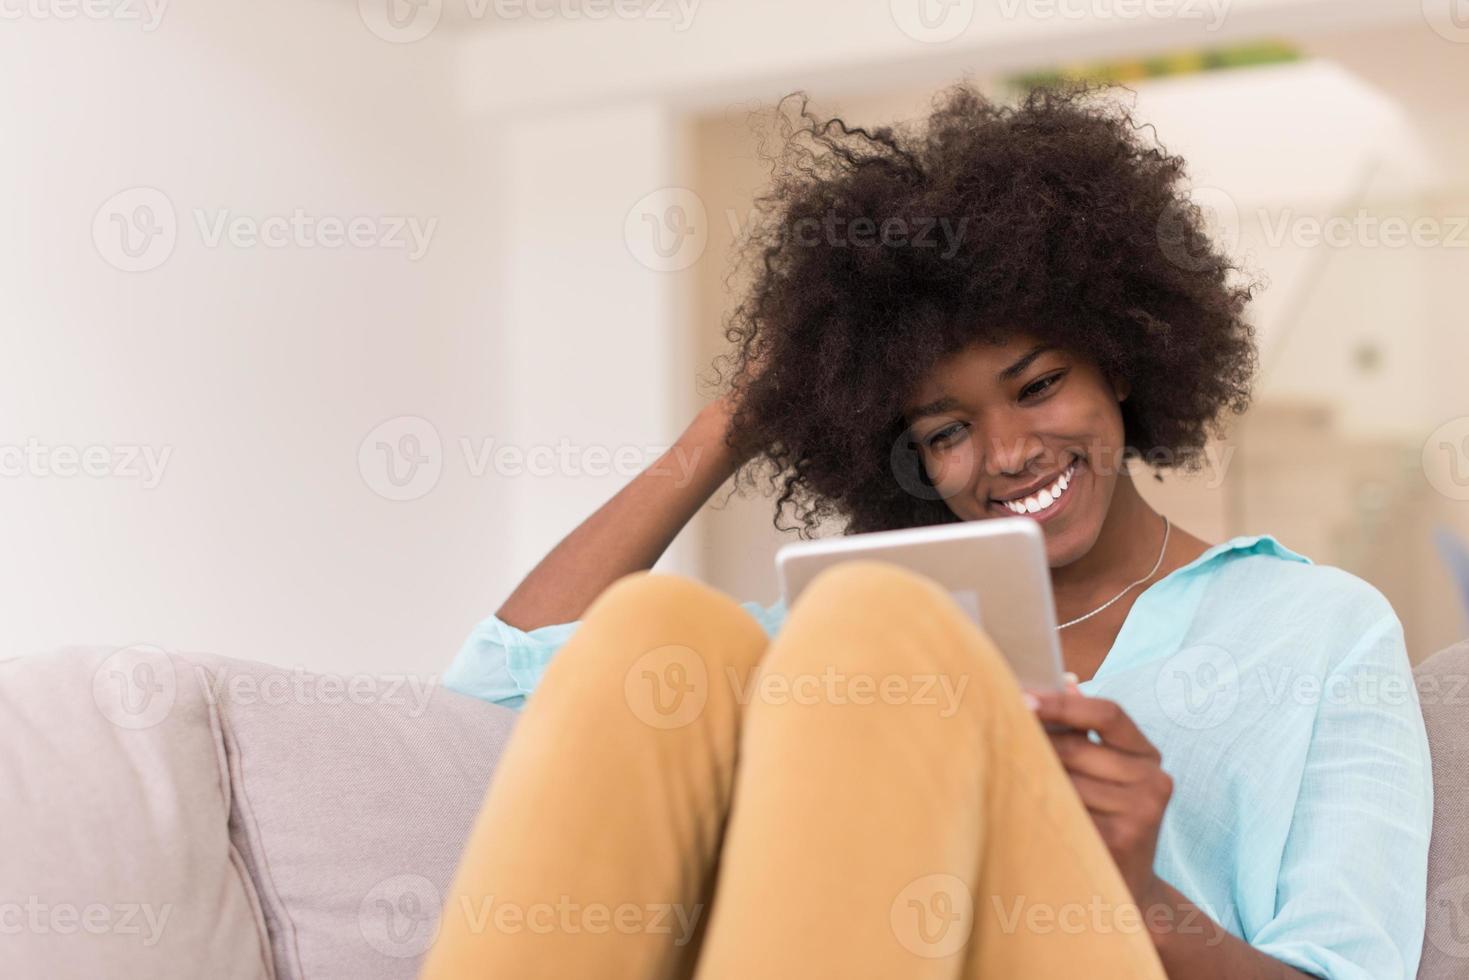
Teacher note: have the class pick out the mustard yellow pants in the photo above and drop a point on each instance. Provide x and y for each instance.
(866, 795)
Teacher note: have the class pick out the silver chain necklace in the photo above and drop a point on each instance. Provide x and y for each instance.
(1166, 528)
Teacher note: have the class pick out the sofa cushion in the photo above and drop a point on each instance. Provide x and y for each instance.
(353, 797)
(117, 859)
(1443, 691)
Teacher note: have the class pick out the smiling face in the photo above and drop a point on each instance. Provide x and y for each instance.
(1022, 428)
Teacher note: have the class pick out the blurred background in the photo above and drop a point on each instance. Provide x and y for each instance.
(324, 320)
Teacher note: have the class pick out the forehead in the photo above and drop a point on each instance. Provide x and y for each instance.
(975, 368)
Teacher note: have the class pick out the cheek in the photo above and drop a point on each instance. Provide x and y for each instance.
(1093, 419)
(952, 472)
(1107, 433)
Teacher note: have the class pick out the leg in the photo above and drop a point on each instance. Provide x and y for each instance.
(906, 815)
(594, 853)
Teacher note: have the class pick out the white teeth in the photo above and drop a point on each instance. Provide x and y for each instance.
(1044, 499)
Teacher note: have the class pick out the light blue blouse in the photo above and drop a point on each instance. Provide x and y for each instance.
(1281, 698)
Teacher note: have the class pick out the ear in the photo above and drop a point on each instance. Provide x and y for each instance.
(1121, 388)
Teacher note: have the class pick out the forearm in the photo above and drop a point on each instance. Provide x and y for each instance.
(1193, 946)
(630, 531)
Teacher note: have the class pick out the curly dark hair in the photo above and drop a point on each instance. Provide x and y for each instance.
(1061, 221)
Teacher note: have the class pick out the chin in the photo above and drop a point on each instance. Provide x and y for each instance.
(1066, 546)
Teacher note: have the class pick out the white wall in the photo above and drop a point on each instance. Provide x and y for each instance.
(259, 370)
(595, 373)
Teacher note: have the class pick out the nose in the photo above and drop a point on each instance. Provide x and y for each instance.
(1013, 447)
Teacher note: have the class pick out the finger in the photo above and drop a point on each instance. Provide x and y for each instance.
(1105, 717)
(1079, 754)
(1069, 682)
(1030, 697)
(1103, 796)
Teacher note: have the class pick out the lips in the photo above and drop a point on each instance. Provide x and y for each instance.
(1039, 485)
(1042, 498)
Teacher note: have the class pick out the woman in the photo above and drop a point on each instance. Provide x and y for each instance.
(1228, 789)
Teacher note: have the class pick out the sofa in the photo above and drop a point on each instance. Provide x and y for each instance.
(189, 816)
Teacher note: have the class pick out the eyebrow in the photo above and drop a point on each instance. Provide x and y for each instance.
(948, 402)
(1014, 370)
(936, 407)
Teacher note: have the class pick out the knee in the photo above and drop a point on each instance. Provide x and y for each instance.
(877, 615)
(876, 581)
(661, 596)
(655, 653)
(651, 590)
(645, 611)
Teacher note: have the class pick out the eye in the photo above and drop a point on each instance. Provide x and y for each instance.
(1041, 385)
(943, 436)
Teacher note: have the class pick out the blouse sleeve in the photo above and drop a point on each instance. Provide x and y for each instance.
(1351, 891)
(502, 664)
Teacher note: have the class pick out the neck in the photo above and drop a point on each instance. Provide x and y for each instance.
(1125, 548)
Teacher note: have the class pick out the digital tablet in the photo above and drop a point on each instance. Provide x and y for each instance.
(995, 569)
